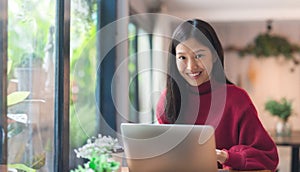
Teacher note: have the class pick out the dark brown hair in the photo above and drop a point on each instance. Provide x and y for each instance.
(176, 84)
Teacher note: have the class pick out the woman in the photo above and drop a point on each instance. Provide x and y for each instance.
(198, 92)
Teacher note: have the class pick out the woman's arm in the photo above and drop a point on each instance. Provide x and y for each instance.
(255, 150)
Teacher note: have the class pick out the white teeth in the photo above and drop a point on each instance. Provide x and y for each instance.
(194, 74)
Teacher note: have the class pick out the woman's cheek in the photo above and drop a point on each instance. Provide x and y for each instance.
(207, 65)
(181, 65)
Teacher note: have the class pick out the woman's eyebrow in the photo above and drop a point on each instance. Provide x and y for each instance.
(199, 50)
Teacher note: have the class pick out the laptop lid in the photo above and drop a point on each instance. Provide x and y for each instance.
(169, 147)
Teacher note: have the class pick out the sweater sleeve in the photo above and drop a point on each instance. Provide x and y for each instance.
(255, 150)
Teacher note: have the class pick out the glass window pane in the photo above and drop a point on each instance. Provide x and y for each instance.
(144, 77)
(83, 69)
(140, 72)
(132, 68)
(31, 54)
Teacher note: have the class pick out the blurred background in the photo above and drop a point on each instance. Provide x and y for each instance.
(117, 65)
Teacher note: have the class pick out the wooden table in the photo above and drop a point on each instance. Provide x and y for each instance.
(294, 142)
(125, 169)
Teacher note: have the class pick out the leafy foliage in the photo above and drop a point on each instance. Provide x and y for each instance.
(14, 129)
(282, 108)
(21, 167)
(28, 28)
(266, 45)
(83, 71)
(38, 161)
(83, 124)
(17, 97)
(98, 164)
(12, 99)
(99, 153)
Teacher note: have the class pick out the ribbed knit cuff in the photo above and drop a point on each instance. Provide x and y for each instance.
(234, 159)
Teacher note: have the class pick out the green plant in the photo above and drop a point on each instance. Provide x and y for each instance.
(37, 162)
(28, 27)
(14, 129)
(267, 45)
(99, 164)
(16, 97)
(282, 108)
(12, 99)
(98, 151)
(83, 83)
(82, 124)
(21, 167)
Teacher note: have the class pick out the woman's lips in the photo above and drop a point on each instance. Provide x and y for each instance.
(194, 75)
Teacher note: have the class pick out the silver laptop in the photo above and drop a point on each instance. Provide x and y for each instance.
(169, 148)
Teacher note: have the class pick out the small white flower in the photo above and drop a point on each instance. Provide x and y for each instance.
(97, 146)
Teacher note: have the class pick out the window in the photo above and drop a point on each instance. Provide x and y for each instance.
(83, 69)
(31, 78)
(53, 79)
(140, 69)
(133, 73)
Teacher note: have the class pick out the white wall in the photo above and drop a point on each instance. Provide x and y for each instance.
(239, 14)
(262, 78)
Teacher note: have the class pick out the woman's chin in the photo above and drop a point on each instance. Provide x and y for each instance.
(195, 83)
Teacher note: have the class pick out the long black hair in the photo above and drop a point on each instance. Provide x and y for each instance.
(206, 35)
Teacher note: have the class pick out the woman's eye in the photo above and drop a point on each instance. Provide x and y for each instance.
(181, 57)
(198, 56)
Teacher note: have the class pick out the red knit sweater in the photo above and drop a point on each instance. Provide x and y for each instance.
(238, 129)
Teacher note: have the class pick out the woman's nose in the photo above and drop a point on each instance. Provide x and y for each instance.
(192, 64)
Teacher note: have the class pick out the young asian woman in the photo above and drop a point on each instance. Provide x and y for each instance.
(198, 92)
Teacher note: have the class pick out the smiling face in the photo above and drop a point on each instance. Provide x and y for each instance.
(194, 61)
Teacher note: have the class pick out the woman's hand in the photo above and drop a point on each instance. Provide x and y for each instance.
(221, 156)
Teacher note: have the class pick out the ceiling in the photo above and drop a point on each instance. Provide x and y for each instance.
(225, 10)
(228, 4)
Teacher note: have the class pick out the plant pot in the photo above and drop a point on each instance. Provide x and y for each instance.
(283, 128)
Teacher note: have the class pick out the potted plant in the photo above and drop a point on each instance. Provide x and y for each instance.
(15, 127)
(99, 153)
(270, 45)
(283, 110)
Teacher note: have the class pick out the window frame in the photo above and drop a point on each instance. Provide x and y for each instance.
(107, 14)
(62, 87)
(3, 81)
